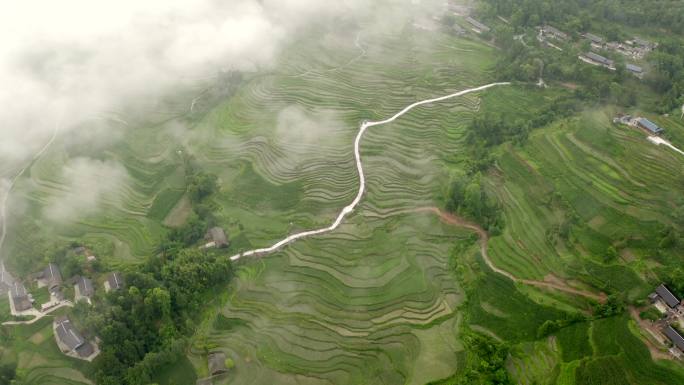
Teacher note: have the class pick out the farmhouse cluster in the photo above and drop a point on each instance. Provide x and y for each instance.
(640, 123)
(47, 292)
(635, 49)
(51, 293)
(673, 310)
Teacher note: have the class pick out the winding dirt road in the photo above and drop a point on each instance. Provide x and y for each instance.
(484, 245)
(362, 178)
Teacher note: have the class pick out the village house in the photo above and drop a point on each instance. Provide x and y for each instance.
(596, 41)
(477, 26)
(70, 340)
(635, 69)
(663, 299)
(667, 303)
(555, 33)
(51, 278)
(676, 339)
(653, 129)
(83, 289)
(114, 281)
(217, 363)
(217, 238)
(19, 298)
(644, 44)
(596, 59)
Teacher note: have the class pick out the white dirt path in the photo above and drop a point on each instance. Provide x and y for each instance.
(362, 179)
(658, 141)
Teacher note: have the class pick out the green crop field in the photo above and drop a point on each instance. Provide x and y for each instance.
(374, 302)
(386, 298)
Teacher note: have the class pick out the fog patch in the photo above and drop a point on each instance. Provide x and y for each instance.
(78, 58)
(300, 132)
(297, 125)
(87, 185)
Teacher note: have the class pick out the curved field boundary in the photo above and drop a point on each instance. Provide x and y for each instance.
(362, 179)
(454, 220)
(5, 198)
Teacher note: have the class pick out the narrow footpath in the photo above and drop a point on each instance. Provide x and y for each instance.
(454, 220)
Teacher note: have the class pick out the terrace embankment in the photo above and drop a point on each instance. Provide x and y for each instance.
(550, 283)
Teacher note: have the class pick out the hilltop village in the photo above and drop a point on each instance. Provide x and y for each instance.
(46, 293)
(49, 293)
(626, 61)
(668, 328)
(628, 55)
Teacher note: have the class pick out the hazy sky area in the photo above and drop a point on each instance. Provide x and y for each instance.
(65, 61)
(70, 66)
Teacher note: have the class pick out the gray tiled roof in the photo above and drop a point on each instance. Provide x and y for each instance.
(598, 58)
(675, 337)
(52, 275)
(85, 287)
(663, 291)
(218, 236)
(67, 334)
(115, 281)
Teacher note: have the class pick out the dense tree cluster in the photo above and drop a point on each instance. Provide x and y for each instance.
(488, 364)
(143, 327)
(468, 198)
(582, 14)
(611, 19)
(200, 187)
(7, 373)
(613, 305)
(674, 279)
(668, 77)
(485, 365)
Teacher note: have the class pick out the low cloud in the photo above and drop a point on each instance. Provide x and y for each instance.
(303, 134)
(78, 59)
(295, 125)
(88, 185)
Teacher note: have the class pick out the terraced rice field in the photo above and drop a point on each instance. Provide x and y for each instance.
(619, 188)
(127, 212)
(374, 301)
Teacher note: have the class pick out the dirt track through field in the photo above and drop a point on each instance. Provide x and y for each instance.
(454, 220)
(362, 178)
